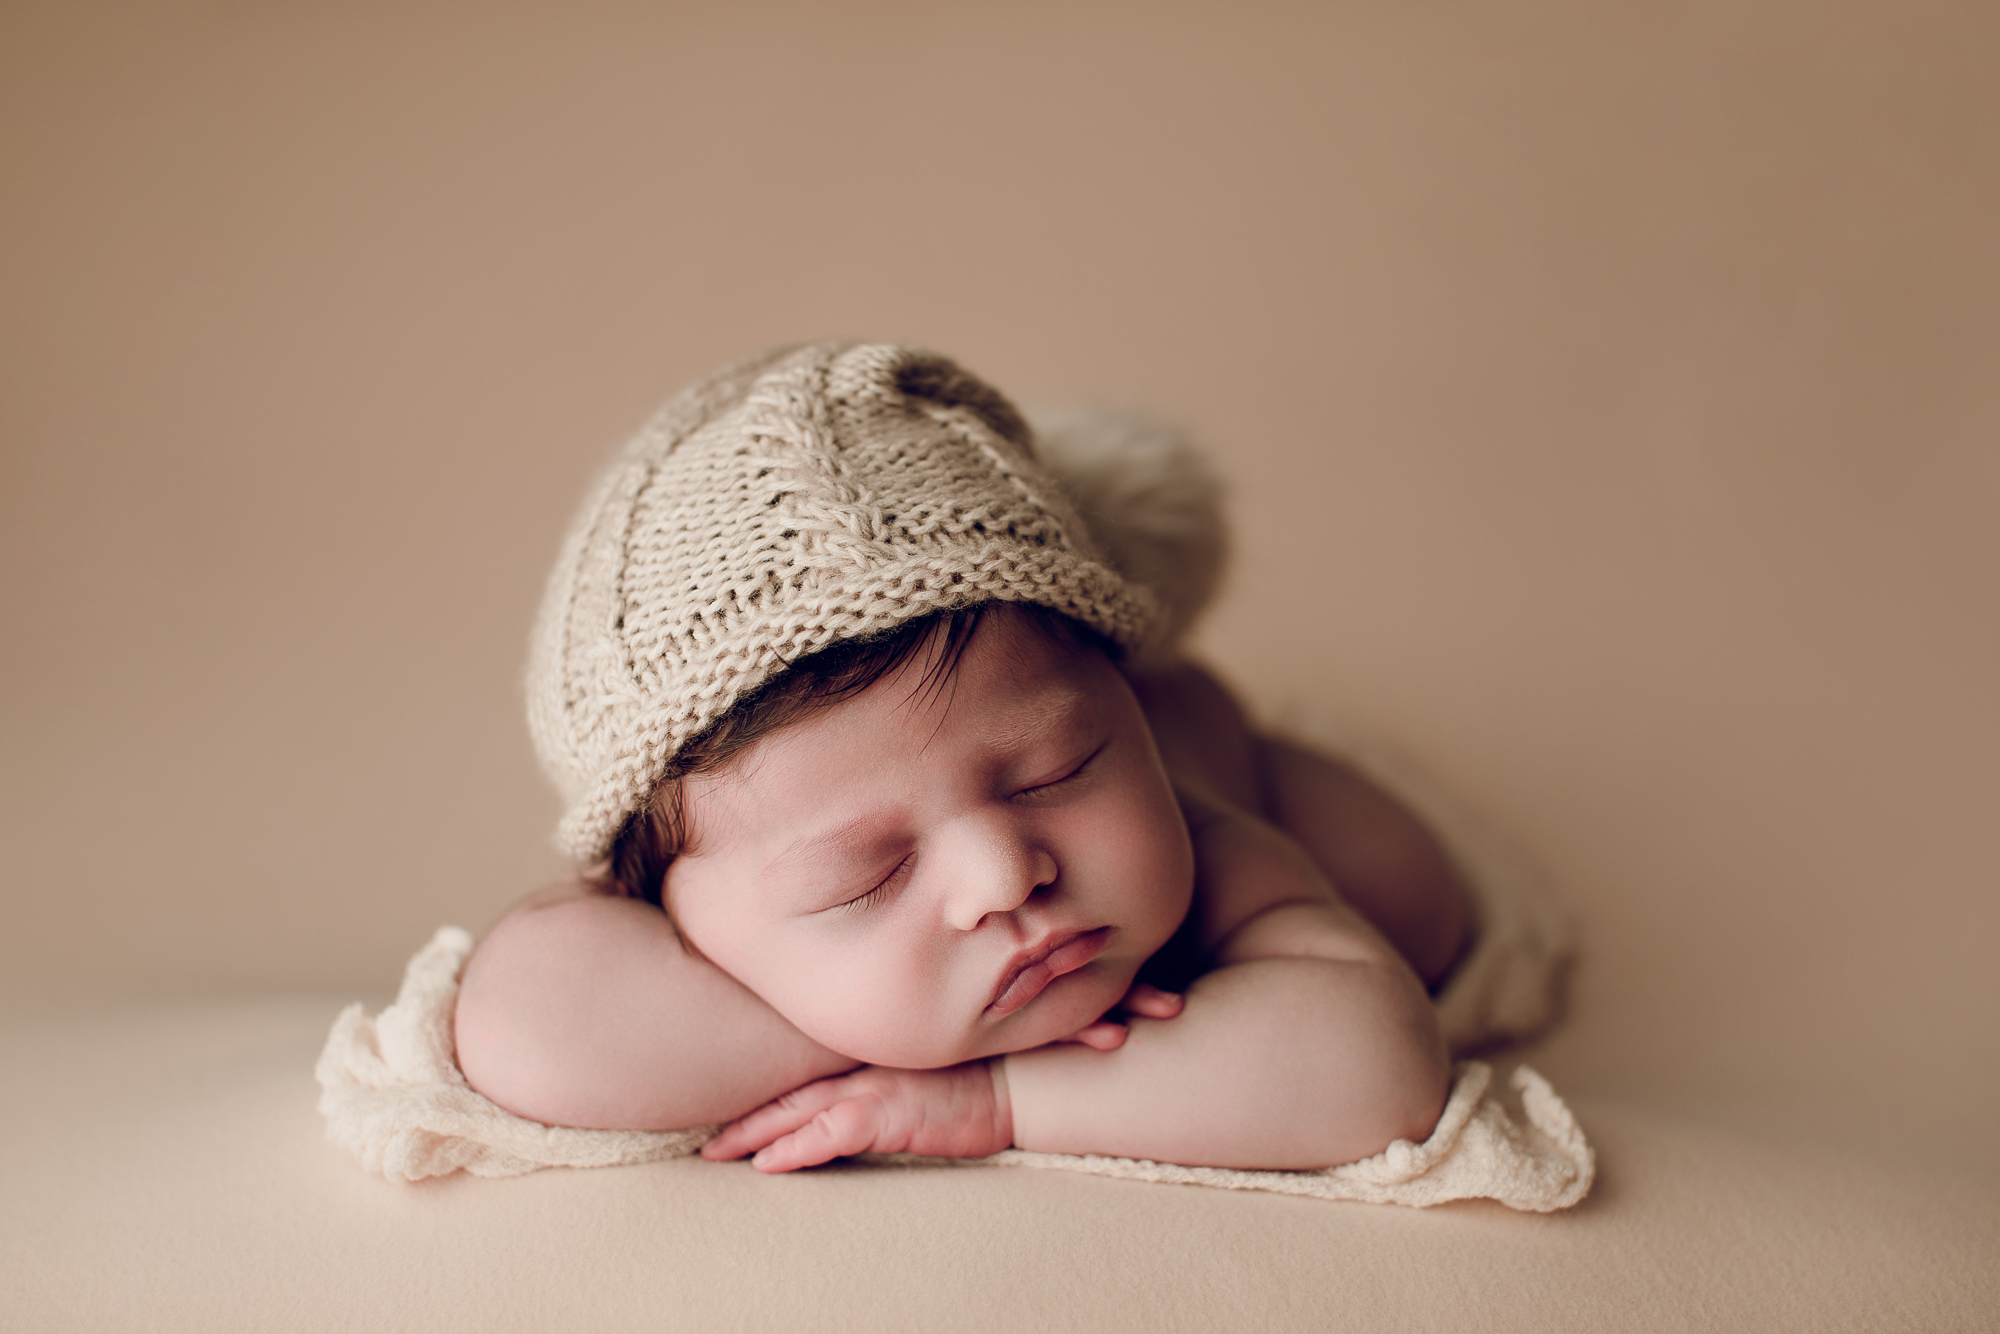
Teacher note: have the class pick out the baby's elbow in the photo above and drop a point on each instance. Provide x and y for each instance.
(1420, 1084)
(535, 1026)
(1415, 1093)
(507, 1046)
(1396, 1078)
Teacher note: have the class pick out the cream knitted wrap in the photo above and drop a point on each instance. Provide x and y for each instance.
(801, 498)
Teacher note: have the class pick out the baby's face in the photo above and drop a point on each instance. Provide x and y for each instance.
(921, 878)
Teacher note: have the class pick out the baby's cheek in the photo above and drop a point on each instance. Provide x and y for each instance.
(1168, 885)
(875, 1024)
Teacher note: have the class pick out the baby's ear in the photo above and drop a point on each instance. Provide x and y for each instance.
(1152, 503)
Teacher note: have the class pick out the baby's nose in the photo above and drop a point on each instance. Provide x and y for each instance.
(997, 876)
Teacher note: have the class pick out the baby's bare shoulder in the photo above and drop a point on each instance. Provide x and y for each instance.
(1258, 893)
(1243, 866)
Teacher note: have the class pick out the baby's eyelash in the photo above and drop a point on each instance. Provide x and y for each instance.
(1077, 772)
(881, 891)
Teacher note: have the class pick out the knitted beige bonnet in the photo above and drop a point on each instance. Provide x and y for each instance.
(804, 497)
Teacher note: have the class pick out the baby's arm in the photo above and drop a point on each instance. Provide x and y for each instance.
(1309, 1042)
(583, 1009)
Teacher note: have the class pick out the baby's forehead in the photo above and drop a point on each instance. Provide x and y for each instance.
(1016, 696)
(1020, 675)
(1004, 692)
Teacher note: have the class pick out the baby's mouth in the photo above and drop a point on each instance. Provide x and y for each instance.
(1029, 973)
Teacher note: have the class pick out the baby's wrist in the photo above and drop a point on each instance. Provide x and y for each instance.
(1003, 1106)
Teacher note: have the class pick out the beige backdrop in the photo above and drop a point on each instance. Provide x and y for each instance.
(1606, 394)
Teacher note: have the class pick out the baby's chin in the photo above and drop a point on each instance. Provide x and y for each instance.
(1067, 1005)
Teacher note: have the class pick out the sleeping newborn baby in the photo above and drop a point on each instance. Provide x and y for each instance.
(907, 834)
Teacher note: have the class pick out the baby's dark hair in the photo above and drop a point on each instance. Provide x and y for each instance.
(654, 835)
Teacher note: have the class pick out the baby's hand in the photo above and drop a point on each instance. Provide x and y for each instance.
(952, 1113)
(1142, 999)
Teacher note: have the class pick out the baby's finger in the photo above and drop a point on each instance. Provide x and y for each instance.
(1104, 1035)
(1152, 1002)
(753, 1130)
(846, 1127)
(748, 1133)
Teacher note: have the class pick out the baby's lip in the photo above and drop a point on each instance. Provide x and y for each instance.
(1033, 969)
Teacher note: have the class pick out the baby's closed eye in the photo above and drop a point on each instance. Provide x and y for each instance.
(1065, 774)
(882, 888)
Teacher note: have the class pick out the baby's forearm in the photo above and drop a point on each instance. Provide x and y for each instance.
(1274, 1063)
(586, 1011)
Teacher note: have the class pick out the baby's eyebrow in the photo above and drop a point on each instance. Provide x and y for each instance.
(853, 841)
(1024, 727)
